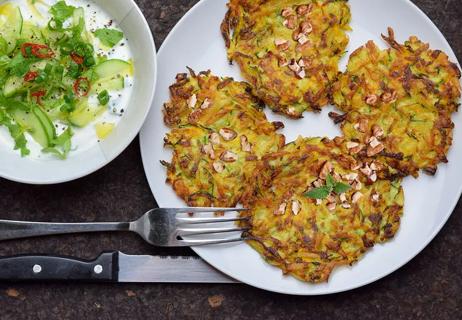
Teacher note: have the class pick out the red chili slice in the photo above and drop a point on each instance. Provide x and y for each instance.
(38, 95)
(41, 51)
(78, 88)
(77, 58)
(30, 76)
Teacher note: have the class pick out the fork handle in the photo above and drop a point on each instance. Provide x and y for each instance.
(10, 230)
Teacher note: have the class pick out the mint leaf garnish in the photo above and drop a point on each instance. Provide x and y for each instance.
(318, 193)
(324, 191)
(341, 187)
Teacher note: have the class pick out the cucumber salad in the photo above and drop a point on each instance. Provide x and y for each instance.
(65, 68)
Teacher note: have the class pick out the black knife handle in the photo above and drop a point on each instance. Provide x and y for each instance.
(45, 267)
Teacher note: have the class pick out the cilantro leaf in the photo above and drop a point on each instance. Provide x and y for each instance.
(16, 133)
(62, 145)
(109, 37)
(341, 187)
(318, 193)
(61, 11)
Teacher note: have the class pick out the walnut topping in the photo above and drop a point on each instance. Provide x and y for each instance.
(375, 197)
(377, 131)
(372, 151)
(325, 170)
(373, 166)
(291, 111)
(389, 97)
(214, 138)
(287, 12)
(346, 205)
(303, 9)
(294, 66)
(192, 101)
(228, 156)
(218, 166)
(301, 62)
(296, 207)
(245, 145)
(282, 44)
(302, 39)
(281, 210)
(208, 150)
(331, 199)
(301, 74)
(206, 103)
(372, 99)
(331, 206)
(317, 183)
(356, 196)
(283, 62)
(228, 134)
(306, 27)
(290, 22)
(318, 202)
(343, 197)
(373, 177)
(373, 142)
(361, 126)
(357, 185)
(350, 176)
(351, 144)
(366, 170)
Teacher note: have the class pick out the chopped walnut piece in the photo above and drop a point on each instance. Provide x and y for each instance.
(282, 44)
(343, 197)
(192, 101)
(228, 156)
(361, 126)
(373, 142)
(302, 39)
(290, 22)
(351, 144)
(294, 66)
(366, 170)
(228, 134)
(208, 150)
(325, 170)
(375, 197)
(306, 27)
(303, 9)
(372, 151)
(301, 74)
(318, 202)
(373, 166)
(291, 111)
(218, 166)
(331, 206)
(372, 99)
(377, 131)
(388, 97)
(350, 176)
(214, 138)
(287, 12)
(245, 145)
(356, 196)
(373, 177)
(317, 183)
(346, 205)
(331, 199)
(357, 185)
(283, 62)
(206, 103)
(281, 210)
(296, 207)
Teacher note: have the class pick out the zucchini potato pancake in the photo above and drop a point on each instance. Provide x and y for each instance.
(219, 133)
(288, 50)
(315, 207)
(398, 104)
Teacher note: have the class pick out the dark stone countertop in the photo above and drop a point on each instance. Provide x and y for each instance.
(429, 287)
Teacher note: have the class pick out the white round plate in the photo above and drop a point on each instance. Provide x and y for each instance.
(196, 42)
(91, 155)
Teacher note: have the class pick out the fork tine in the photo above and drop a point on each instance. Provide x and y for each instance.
(192, 243)
(202, 209)
(198, 231)
(194, 220)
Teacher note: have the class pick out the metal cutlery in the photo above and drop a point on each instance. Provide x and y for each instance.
(164, 227)
(111, 267)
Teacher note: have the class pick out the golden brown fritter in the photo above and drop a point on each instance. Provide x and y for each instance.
(288, 50)
(219, 133)
(315, 208)
(398, 103)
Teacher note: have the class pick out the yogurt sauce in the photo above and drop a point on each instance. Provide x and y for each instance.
(83, 138)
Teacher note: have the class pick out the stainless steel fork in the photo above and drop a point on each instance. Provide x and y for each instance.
(160, 227)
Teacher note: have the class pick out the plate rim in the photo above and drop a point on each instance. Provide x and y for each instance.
(380, 276)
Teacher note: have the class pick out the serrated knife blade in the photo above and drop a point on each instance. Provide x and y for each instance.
(170, 269)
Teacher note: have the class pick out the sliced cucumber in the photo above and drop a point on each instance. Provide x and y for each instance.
(79, 14)
(46, 123)
(31, 123)
(85, 114)
(112, 68)
(12, 26)
(30, 32)
(12, 85)
(115, 83)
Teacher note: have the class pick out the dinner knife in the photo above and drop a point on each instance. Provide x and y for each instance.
(112, 266)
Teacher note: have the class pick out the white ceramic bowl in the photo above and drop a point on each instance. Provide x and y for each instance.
(48, 170)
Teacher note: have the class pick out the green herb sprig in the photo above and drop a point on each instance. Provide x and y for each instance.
(324, 191)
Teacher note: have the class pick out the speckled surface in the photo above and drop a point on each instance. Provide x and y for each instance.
(429, 287)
